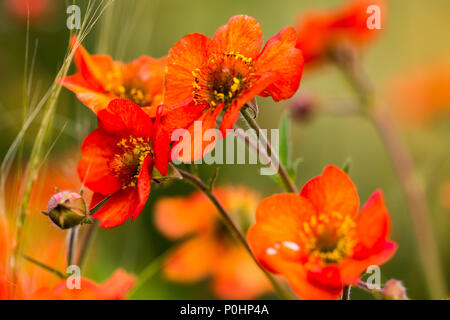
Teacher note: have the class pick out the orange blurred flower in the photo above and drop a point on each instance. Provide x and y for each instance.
(211, 251)
(36, 10)
(420, 95)
(33, 282)
(317, 240)
(207, 76)
(115, 288)
(100, 79)
(318, 32)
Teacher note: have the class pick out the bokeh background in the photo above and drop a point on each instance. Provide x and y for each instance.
(416, 34)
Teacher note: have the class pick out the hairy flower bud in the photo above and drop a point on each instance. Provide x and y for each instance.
(67, 209)
(394, 290)
(303, 106)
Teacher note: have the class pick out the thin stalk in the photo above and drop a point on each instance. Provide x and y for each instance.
(376, 293)
(44, 266)
(71, 245)
(407, 175)
(85, 243)
(234, 229)
(37, 152)
(282, 172)
(346, 292)
(152, 268)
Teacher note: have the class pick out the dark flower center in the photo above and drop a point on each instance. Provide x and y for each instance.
(127, 162)
(222, 79)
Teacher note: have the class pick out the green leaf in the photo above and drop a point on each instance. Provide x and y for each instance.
(347, 165)
(292, 168)
(285, 140)
(99, 205)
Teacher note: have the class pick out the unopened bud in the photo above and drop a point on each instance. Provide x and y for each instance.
(394, 290)
(67, 209)
(302, 107)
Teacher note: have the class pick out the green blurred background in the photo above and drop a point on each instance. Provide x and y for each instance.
(416, 33)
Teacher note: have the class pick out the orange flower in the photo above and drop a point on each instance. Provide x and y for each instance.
(115, 288)
(211, 251)
(118, 160)
(207, 76)
(100, 79)
(317, 240)
(33, 282)
(320, 31)
(420, 95)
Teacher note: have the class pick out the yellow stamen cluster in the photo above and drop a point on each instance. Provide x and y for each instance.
(133, 94)
(329, 237)
(222, 79)
(128, 162)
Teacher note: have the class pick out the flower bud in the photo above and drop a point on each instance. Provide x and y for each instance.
(302, 106)
(394, 290)
(67, 209)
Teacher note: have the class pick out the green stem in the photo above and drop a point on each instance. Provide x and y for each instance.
(234, 229)
(153, 267)
(406, 172)
(86, 243)
(376, 293)
(346, 292)
(71, 245)
(44, 266)
(282, 172)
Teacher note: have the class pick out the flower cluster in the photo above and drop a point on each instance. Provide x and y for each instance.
(201, 78)
(319, 240)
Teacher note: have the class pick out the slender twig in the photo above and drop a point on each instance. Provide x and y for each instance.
(89, 234)
(282, 172)
(233, 228)
(346, 292)
(85, 243)
(44, 266)
(376, 293)
(406, 173)
(154, 267)
(71, 245)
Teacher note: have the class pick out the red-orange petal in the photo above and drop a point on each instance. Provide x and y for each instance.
(275, 238)
(280, 56)
(304, 286)
(92, 68)
(232, 114)
(193, 136)
(122, 205)
(97, 151)
(185, 56)
(180, 117)
(242, 34)
(332, 191)
(122, 117)
(91, 98)
(351, 269)
(373, 225)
